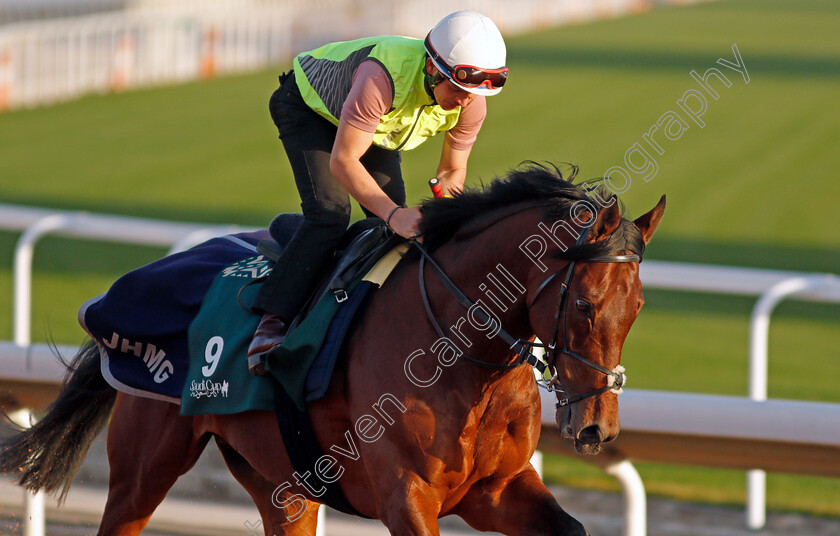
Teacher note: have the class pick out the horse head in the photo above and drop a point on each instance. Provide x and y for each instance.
(582, 289)
(583, 311)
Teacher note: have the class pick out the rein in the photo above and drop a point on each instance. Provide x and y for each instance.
(522, 350)
(522, 347)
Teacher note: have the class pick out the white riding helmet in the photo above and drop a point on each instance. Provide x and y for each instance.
(468, 49)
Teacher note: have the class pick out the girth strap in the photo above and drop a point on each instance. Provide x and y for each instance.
(303, 449)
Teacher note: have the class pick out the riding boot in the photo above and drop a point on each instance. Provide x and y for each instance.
(270, 332)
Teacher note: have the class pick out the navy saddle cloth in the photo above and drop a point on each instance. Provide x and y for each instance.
(142, 323)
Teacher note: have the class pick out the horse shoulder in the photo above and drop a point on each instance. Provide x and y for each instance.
(509, 428)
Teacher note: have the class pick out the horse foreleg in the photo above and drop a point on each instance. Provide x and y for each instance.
(412, 508)
(522, 506)
(149, 447)
(266, 496)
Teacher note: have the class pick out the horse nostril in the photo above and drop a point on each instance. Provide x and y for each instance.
(590, 435)
(610, 438)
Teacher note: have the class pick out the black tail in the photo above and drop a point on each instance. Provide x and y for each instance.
(48, 455)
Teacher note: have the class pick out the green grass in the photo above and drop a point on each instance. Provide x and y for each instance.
(755, 186)
(699, 343)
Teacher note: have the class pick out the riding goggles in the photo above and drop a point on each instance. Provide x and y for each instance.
(468, 76)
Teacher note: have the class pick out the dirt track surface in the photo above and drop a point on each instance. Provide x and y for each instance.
(601, 513)
(210, 484)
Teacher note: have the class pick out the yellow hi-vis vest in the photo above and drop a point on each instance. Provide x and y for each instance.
(325, 75)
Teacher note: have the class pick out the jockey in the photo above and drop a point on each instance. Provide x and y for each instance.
(344, 113)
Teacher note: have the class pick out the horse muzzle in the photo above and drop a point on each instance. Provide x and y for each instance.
(590, 439)
(589, 436)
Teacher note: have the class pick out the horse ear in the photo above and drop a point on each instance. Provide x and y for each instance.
(608, 221)
(648, 223)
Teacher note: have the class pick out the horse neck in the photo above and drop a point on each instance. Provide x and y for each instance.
(493, 272)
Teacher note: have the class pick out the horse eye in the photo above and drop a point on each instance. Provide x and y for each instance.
(583, 305)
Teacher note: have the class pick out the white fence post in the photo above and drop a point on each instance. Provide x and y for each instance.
(23, 273)
(759, 342)
(33, 504)
(537, 462)
(34, 517)
(635, 497)
(537, 457)
(321, 527)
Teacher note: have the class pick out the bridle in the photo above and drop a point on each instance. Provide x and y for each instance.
(615, 377)
(523, 347)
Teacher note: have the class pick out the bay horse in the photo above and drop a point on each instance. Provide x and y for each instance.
(416, 425)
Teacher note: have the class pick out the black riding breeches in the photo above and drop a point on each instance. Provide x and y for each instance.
(308, 140)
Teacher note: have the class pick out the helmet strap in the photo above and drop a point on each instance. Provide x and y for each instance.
(430, 82)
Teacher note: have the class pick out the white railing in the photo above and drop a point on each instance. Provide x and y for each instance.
(38, 223)
(163, 42)
(50, 61)
(771, 285)
(709, 430)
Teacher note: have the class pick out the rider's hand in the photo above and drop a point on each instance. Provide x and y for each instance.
(406, 222)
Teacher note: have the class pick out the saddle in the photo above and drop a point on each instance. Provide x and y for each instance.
(364, 243)
(303, 363)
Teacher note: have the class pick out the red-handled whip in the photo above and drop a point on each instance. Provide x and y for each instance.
(435, 185)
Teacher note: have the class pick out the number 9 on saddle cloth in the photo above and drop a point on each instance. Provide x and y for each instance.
(196, 302)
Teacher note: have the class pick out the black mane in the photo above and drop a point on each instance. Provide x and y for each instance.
(539, 184)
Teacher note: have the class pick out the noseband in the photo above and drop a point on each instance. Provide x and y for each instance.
(522, 347)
